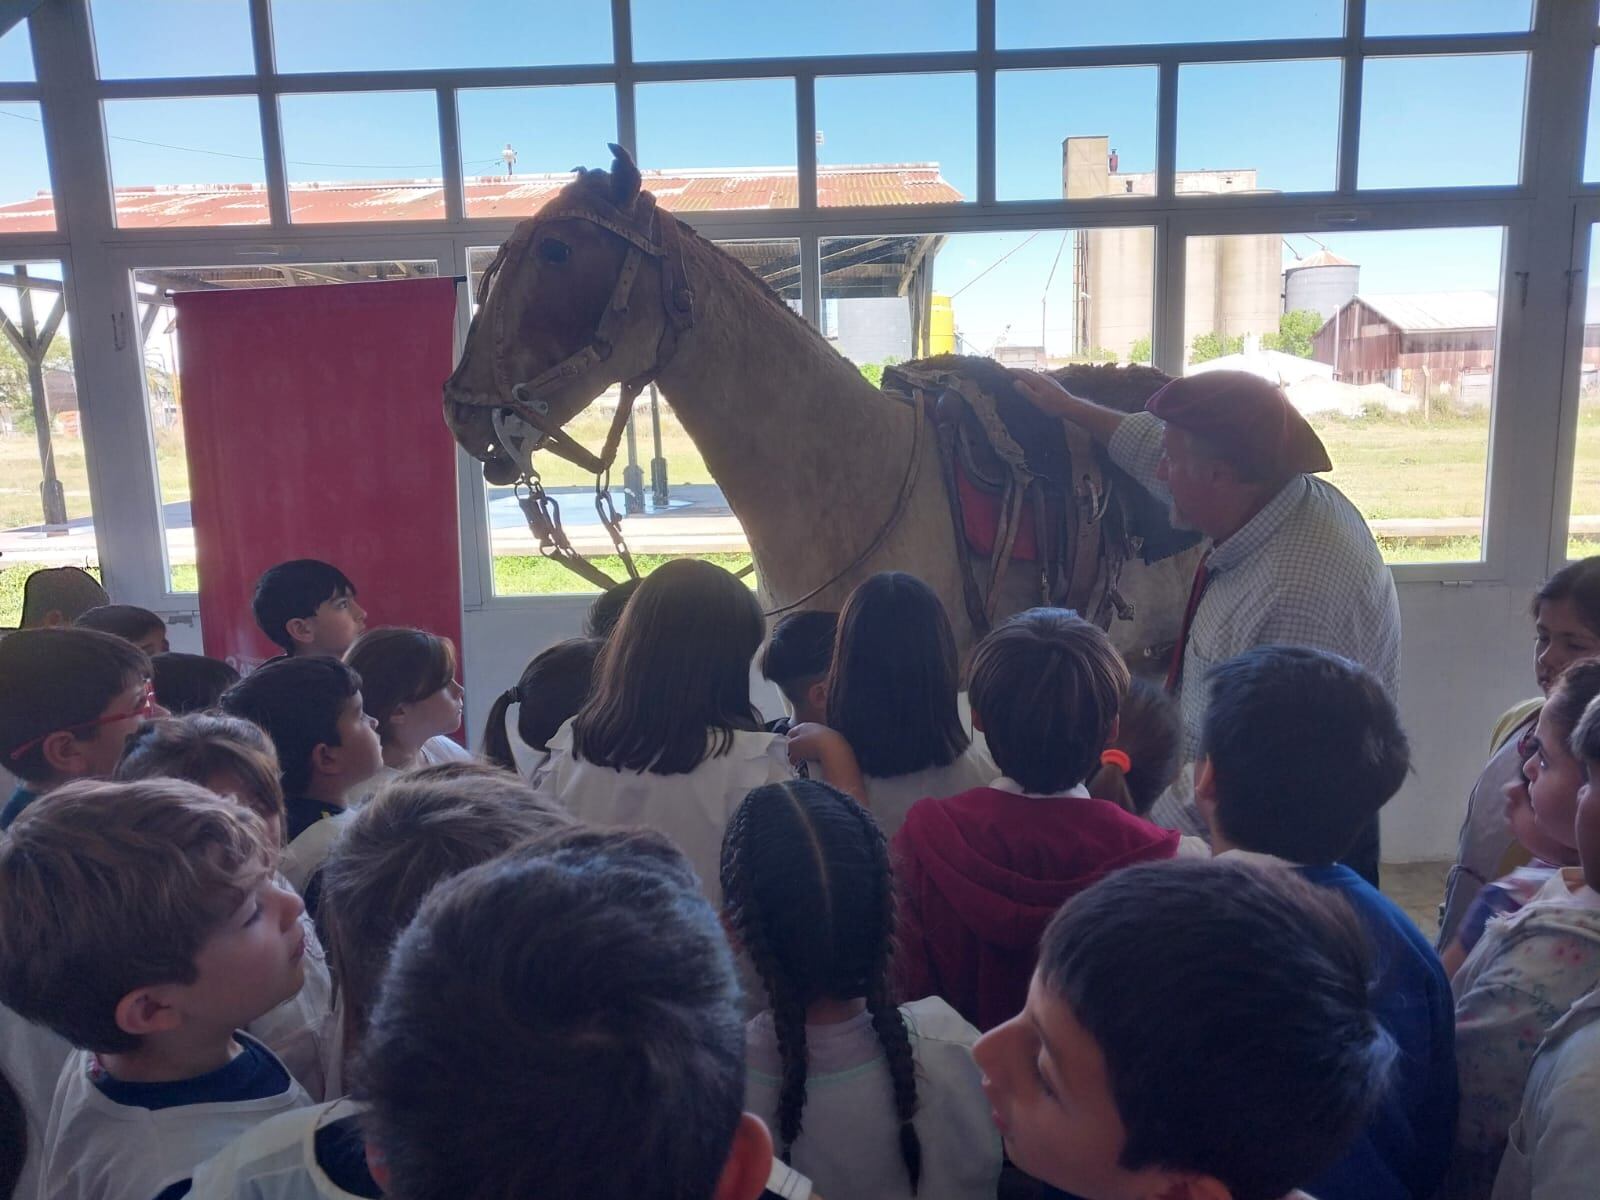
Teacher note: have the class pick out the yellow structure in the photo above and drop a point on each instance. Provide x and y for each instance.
(941, 326)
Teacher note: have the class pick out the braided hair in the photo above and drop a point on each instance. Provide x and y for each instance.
(808, 892)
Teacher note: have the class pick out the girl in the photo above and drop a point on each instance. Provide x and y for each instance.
(552, 689)
(668, 737)
(866, 1099)
(408, 686)
(1149, 739)
(1566, 618)
(892, 692)
(1528, 968)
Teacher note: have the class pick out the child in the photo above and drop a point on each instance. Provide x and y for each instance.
(983, 872)
(69, 698)
(668, 738)
(1299, 751)
(613, 1073)
(175, 938)
(327, 748)
(1528, 968)
(891, 694)
(416, 832)
(799, 651)
(606, 609)
(1196, 1029)
(1146, 754)
(186, 683)
(308, 608)
(57, 596)
(552, 689)
(408, 686)
(1566, 621)
(130, 623)
(865, 1098)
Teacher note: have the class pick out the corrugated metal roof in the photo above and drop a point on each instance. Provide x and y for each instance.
(191, 205)
(1416, 311)
(1322, 258)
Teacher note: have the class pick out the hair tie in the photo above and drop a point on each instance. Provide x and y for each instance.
(1116, 758)
(512, 695)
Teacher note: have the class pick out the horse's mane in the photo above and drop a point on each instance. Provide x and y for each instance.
(1123, 388)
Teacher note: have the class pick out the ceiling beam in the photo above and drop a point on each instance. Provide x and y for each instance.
(15, 12)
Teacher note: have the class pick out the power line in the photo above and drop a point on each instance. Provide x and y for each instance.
(995, 264)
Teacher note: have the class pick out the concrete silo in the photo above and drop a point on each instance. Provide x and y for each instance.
(1324, 283)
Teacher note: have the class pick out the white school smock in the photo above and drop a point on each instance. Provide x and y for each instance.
(297, 1030)
(692, 809)
(849, 1143)
(1554, 1149)
(277, 1160)
(97, 1149)
(303, 857)
(890, 797)
(31, 1058)
(436, 750)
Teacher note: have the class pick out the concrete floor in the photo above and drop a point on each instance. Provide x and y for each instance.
(1417, 887)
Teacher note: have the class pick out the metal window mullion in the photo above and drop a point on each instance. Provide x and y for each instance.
(451, 169)
(811, 278)
(805, 145)
(1167, 131)
(622, 65)
(272, 156)
(1166, 333)
(987, 130)
(1351, 84)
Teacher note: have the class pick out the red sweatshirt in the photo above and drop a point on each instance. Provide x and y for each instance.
(980, 876)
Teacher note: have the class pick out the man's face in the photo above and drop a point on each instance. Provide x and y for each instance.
(1193, 480)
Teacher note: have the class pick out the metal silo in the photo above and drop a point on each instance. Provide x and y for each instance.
(1324, 283)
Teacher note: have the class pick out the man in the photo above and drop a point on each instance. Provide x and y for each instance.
(1291, 561)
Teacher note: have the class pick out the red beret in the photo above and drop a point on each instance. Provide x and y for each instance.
(1246, 418)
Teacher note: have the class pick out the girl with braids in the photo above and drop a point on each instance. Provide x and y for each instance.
(870, 1101)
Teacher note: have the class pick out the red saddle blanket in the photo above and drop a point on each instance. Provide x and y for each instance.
(981, 512)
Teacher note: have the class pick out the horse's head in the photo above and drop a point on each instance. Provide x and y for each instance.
(579, 298)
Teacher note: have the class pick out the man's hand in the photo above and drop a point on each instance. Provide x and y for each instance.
(1051, 398)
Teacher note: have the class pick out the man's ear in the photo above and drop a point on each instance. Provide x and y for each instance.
(745, 1174)
(146, 1010)
(377, 1165)
(300, 630)
(63, 752)
(54, 619)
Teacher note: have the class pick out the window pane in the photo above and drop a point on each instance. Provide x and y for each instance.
(45, 516)
(186, 162)
(1386, 343)
(672, 507)
(549, 130)
(725, 144)
(1106, 114)
(1444, 121)
(16, 55)
(711, 29)
(1591, 152)
(26, 205)
(362, 156)
(152, 39)
(1583, 533)
(877, 146)
(162, 356)
(1400, 17)
(1225, 146)
(1024, 23)
(380, 35)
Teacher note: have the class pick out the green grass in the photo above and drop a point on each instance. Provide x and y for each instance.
(532, 575)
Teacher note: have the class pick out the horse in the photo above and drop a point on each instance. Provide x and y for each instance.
(832, 479)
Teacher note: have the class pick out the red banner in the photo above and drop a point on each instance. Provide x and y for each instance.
(314, 431)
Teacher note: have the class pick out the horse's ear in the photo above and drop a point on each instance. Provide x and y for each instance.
(624, 177)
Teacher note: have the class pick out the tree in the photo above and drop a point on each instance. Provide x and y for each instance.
(1139, 352)
(1215, 345)
(873, 372)
(1295, 331)
(15, 395)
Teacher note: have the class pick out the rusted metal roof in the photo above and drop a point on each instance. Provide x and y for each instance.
(208, 205)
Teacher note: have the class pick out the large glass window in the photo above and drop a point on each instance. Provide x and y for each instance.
(45, 515)
(1591, 151)
(152, 39)
(16, 55)
(163, 390)
(1387, 18)
(519, 145)
(722, 144)
(1583, 530)
(1027, 23)
(716, 29)
(362, 156)
(877, 146)
(1225, 146)
(1442, 121)
(1074, 133)
(192, 161)
(1387, 343)
(26, 203)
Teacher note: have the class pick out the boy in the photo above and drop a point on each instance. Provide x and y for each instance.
(327, 746)
(308, 607)
(584, 983)
(798, 653)
(982, 873)
(1196, 1030)
(140, 921)
(56, 596)
(130, 623)
(69, 698)
(1299, 751)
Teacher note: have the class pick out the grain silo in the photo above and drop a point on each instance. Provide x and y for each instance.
(1324, 283)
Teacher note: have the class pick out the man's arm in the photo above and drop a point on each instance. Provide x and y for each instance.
(1134, 440)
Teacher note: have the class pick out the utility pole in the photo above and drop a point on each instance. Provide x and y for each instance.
(32, 343)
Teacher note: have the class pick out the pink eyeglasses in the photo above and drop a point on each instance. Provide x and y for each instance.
(144, 706)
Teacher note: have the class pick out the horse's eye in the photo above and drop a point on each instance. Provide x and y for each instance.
(552, 251)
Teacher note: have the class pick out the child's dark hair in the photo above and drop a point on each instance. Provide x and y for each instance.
(1046, 686)
(186, 683)
(606, 609)
(582, 981)
(689, 633)
(70, 591)
(399, 666)
(1305, 747)
(296, 588)
(799, 651)
(1150, 733)
(1572, 692)
(1578, 583)
(1249, 983)
(58, 679)
(298, 701)
(892, 687)
(552, 689)
(198, 747)
(13, 1138)
(126, 621)
(809, 893)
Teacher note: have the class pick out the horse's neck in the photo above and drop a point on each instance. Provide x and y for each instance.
(806, 451)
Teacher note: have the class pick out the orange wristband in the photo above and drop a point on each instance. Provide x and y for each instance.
(1116, 758)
